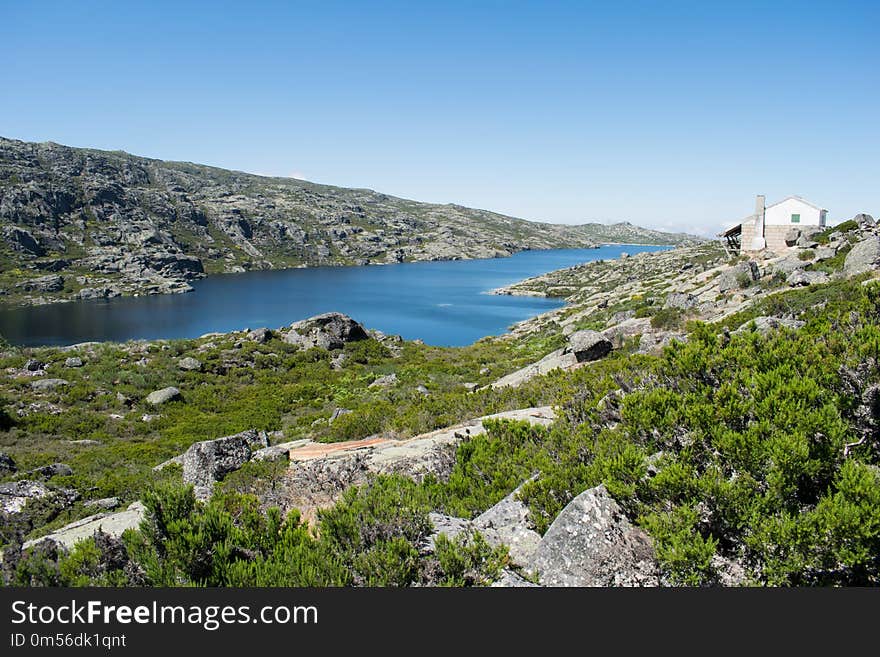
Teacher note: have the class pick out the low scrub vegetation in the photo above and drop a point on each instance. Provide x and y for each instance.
(759, 449)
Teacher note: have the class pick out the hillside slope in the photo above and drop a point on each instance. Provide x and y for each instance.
(81, 223)
(626, 233)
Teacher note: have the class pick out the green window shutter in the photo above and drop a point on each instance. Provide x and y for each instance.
(795, 218)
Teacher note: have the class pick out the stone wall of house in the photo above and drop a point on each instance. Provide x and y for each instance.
(775, 236)
(748, 234)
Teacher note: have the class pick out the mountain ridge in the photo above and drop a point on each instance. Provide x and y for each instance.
(81, 223)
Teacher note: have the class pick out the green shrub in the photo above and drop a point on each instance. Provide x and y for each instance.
(846, 226)
(806, 254)
(744, 280)
(667, 318)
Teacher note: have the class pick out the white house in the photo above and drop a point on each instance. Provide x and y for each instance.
(768, 226)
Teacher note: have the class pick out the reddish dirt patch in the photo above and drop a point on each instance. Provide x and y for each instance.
(317, 450)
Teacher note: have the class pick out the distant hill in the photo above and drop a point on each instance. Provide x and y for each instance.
(627, 233)
(82, 223)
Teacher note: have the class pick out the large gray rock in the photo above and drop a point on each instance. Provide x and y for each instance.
(864, 256)
(190, 364)
(826, 252)
(320, 472)
(105, 503)
(510, 579)
(48, 384)
(259, 335)
(279, 452)
(806, 241)
(788, 265)
(328, 331)
(733, 278)
(14, 495)
(587, 346)
(559, 359)
(73, 361)
(792, 236)
(50, 283)
(508, 523)
(680, 300)
(627, 328)
(113, 524)
(384, 381)
(451, 526)
(802, 278)
(23, 241)
(863, 219)
(158, 397)
(592, 543)
(208, 461)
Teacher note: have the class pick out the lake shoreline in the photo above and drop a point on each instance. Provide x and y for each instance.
(444, 303)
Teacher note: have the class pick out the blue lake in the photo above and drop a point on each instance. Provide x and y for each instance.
(442, 303)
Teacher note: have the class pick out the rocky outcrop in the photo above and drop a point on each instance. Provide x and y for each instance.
(50, 283)
(592, 543)
(558, 359)
(582, 347)
(48, 384)
(327, 331)
(619, 332)
(207, 462)
(792, 236)
(163, 396)
(788, 265)
(15, 495)
(384, 381)
(864, 256)
(319, 472)
(680, 301)
(113, 524)
(587, 346)
(505, 523)
(510, 579)
(803, 278)
(22, 241)
(189, 364)
(765, 324)
(260, 335)
(738, 276)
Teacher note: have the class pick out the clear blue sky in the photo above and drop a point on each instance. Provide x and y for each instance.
(666, 114)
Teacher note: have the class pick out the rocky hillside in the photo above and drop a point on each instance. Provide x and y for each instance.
(686, 419)
(78, 223)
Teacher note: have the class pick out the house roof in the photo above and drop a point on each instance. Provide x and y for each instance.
(733, 230)
(796, 198)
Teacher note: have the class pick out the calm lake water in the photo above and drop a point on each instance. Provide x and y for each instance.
(443, 303)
